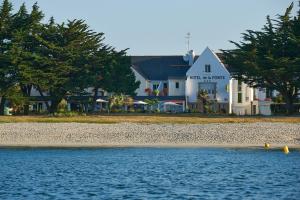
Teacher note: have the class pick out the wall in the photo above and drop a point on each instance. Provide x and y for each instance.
(173, 91)
(243, 108)
(144, 83)
(35, 93)
(197, 74)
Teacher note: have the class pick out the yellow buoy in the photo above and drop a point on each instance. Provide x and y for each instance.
(267, 145)
(286, 149)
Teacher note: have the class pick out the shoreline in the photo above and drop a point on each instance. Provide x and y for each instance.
(276, 147)
(135, 135)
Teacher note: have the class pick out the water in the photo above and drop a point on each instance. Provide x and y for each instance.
(148, 173)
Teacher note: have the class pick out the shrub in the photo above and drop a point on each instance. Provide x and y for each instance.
(62, 106)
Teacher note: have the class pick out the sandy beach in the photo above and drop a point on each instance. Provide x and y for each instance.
(135, 135)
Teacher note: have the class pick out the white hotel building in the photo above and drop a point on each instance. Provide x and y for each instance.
(179, 80)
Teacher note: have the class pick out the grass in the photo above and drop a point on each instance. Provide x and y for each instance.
(147, 118)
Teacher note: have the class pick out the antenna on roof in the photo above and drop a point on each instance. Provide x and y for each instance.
(188, 37)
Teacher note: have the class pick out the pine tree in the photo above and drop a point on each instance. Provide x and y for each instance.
(270, 58)
(7, 76)
(26, 26)
(119, 77)
(71, 54)
(57, 59)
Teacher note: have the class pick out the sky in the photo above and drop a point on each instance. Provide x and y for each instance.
(159, 27)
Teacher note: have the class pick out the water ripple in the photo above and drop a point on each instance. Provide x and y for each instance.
(145, 173)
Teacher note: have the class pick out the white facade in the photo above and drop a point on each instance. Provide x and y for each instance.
(216, 79)
(143, 83)
(242, 98)
(176, 87)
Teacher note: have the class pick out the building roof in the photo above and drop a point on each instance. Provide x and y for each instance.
(160, 67)
(222, 59)
(165, 67)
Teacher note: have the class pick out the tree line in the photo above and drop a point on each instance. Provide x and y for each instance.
(270, 58)
(57, 59)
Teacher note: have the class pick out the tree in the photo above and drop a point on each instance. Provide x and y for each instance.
(118, 76)
(26, 27)
(58, 60)
(204, 102)
(7, 72)
(114, 75)
(270, 58)
(68, 55)
(116, 101)
(151, 103)
(16, 99)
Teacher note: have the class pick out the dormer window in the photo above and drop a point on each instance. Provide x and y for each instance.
(207, 68)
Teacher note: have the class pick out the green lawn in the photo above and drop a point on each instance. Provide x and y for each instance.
(144, 118)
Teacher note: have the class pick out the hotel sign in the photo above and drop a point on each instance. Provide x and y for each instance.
(208, 77)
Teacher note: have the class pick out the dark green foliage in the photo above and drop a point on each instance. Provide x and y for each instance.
(7, 73)
(57, 59)
(118, 77)
(270, 58)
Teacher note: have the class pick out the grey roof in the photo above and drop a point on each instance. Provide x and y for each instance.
(165, 67)
(160, 67)
(221, 57)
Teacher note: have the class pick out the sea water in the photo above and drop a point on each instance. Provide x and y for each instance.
(149, 173)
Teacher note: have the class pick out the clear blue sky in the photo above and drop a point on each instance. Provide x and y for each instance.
(158, 27)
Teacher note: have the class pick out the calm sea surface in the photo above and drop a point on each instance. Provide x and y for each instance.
(148, 173)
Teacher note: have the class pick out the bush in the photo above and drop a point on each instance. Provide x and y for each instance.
(62, 106)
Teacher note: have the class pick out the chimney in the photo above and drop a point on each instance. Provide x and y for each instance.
(189, 57)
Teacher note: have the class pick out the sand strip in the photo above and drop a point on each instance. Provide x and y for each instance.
(149, 135)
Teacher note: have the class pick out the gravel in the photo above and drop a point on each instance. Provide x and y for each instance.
(130, 134)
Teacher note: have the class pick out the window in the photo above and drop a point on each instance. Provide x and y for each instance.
(247, 94)
(155, 86)
(213, 91)
(240, 98)
(239, 85)
(177, 85)
(207, 68)
(165, 85)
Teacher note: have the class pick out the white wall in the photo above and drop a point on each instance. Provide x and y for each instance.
(143, 85)
(197, 74)
(247, 96)
(173, 91)
(35, 93)
(261, 94)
